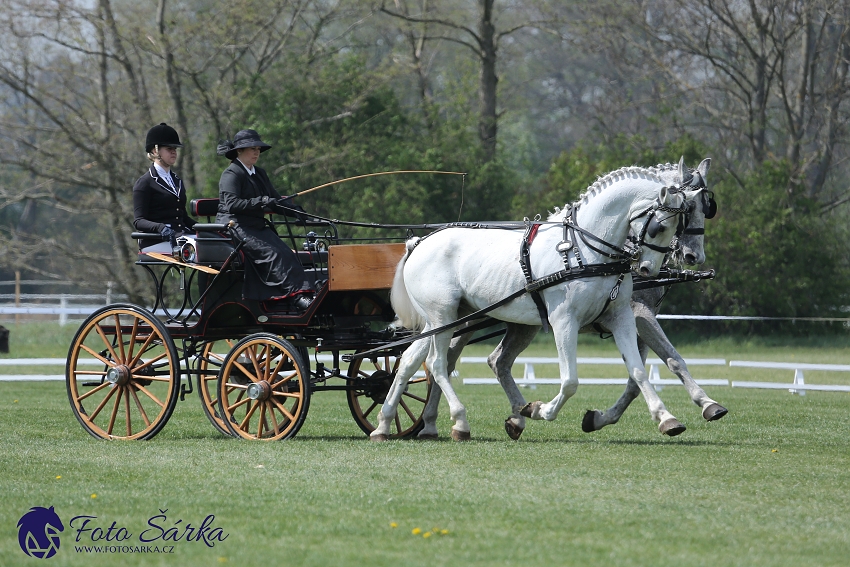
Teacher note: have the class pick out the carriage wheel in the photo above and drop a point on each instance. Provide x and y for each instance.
(123, 373)
(209, 364)
(371, 381)
(263, 389)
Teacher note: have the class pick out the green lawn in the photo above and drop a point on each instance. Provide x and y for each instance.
(769, 484)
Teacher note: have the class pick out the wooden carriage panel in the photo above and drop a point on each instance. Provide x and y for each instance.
(363, 266)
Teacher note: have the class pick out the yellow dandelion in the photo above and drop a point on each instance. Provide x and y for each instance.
(16, 401)
(426, 534)
(416, 531)
(94, 495)
(58, 476)
(444, 532)
(393, 525)
(774, 450)
(222, 559)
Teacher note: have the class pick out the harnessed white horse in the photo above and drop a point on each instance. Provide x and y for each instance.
(645, 305)
(461, 270)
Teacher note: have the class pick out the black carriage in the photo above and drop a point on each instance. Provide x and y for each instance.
(253, 366)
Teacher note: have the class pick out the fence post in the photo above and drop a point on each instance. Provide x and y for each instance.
(17, 294)
(109, 285)
(63, 304)
(655, 375)
(798, 379)
(528, 374)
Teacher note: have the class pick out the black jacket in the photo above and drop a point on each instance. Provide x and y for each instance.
(244, 198)
(155, 205)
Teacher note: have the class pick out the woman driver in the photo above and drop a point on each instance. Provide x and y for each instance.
(245, 193)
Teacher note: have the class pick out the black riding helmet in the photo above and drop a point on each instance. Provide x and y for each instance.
(162, 135)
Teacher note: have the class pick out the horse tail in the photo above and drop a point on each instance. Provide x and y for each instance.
(400, 299)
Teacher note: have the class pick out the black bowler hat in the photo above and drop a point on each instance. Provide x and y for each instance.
(162, 135)
(242, 139)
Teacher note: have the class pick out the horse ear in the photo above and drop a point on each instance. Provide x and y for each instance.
(681, 169)
(703, 167)
(664, 195)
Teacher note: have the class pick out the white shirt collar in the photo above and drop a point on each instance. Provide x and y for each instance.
(250, 171)
(165, 176)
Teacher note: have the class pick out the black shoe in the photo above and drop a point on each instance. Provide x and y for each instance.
(302, 302)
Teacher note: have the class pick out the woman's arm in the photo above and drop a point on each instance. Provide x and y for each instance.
(141, 208)
(232, 196)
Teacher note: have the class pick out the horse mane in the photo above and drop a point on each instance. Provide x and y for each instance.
(609, 179)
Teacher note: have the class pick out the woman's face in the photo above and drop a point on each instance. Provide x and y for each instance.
(167, 155)
(248, 156)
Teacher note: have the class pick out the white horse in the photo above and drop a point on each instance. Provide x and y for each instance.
(460, 270)
(645, 305)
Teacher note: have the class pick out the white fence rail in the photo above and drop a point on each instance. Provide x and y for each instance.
(799, 385)
(530, 379)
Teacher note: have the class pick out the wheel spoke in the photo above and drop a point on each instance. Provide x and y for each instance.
(247, 421)
(238, 403)
(262, 420)
(133, 338)
(397, 423)
(252, 354)
(106, 342)
(148, 394)
(141, 409)
(102, 403)
(114, 414)
(282, 409)
(95, 390)
(142, 350)
(287, 395)
(90, 372)
(127, 411)
(407, 410)
(245, 371)
(151, 361)
(284, 379)
(368, 411)
(119, 338)
(151, 378)
(415, 397)
(98, 356)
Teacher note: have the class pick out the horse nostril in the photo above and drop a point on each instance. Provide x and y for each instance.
(690, 259)
(644, 271)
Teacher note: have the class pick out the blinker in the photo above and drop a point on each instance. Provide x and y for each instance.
(654, 227)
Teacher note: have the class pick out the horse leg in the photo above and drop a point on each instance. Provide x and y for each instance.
(411, 360)
(594, 420)
(501, 360)
(625, 335)
(566, 340)
(429, 415)
(651, 332)
(438, 365)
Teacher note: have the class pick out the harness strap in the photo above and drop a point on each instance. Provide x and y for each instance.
(525, 264)
(592, 270)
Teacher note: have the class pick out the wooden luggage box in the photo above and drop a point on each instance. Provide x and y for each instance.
(363, 266)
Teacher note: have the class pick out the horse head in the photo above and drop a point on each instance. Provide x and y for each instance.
(657, 228)
(691, 248)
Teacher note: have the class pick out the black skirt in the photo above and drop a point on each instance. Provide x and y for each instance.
(273, 270)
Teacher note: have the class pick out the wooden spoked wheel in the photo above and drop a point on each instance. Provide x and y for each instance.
(208, 366)
(123, 373)
(371, 381)
(263, 389)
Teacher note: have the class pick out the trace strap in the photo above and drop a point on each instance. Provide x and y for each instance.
(592, 270)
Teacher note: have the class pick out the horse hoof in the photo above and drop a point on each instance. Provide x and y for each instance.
(671, 427)
(379, 437)
(528, 409)
(512, 430)
(428, 436)
(460, 435)
(713, 412)
(588, 422)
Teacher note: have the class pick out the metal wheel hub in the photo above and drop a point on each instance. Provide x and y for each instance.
(378, 386)
(118, 375)
(259, 390)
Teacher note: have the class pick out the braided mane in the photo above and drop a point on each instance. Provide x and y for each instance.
(628, 172)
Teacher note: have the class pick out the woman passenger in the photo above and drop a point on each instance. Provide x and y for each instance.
(159, 196)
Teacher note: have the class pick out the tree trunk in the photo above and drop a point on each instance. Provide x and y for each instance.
(487, 121)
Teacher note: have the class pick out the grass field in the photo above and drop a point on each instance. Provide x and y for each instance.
(767, 485)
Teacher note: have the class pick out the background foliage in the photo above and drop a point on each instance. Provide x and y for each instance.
(533, 99)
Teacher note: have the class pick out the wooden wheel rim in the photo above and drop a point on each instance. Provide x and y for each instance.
(208, 382)
(364, 407)
(122, 374)
(253, 361)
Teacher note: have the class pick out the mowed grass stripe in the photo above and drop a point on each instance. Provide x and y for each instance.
(766, 485)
